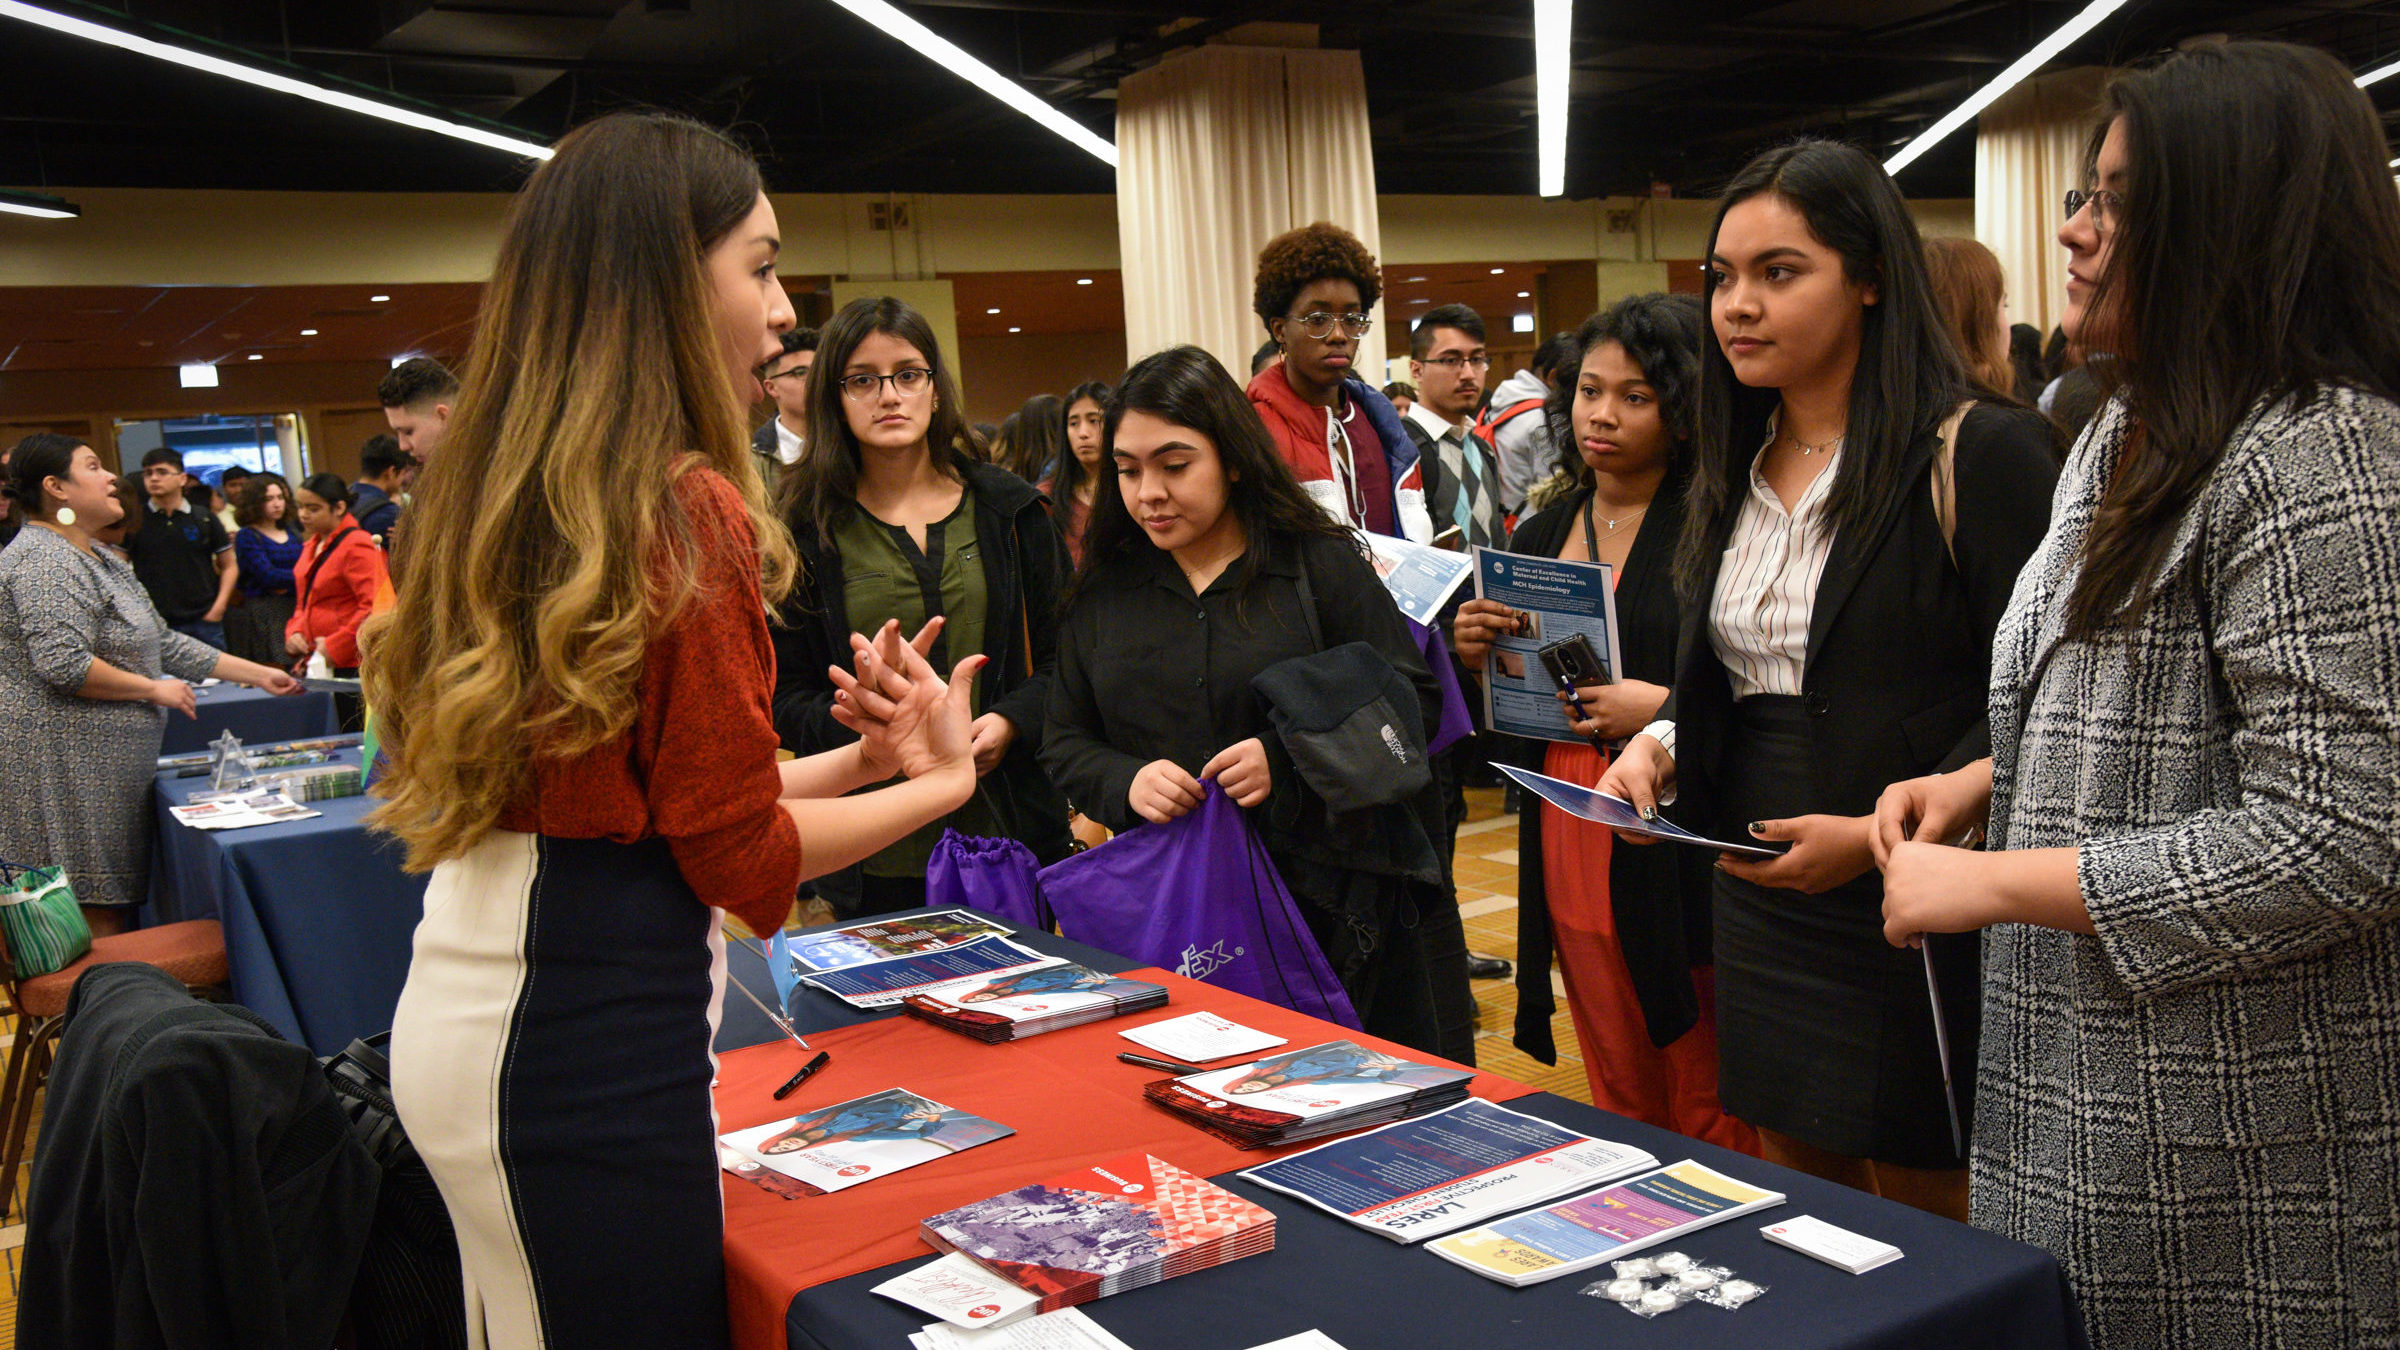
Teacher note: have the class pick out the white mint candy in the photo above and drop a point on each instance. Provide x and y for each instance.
(1696, 1279)
(1639, 1268)
(1659, 1300)
(1740, 1289)
(1673, 1263)
(1624, 1291)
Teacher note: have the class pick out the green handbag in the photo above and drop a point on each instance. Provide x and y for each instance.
(45, 927)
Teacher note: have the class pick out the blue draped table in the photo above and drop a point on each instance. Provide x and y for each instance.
(1957, 1287)
(256, 716)
(318, 915)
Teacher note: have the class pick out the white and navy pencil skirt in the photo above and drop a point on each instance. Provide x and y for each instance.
(551, 1061)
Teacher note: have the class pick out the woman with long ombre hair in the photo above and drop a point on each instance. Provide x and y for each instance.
(2191, 901)
(572, 689)
(1856, 516)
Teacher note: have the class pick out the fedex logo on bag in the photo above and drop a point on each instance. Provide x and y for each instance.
(1198, 962)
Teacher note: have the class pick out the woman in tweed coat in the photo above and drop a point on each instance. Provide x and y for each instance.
(2190, 1085)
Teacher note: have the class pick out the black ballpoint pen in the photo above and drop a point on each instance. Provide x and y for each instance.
(1148, 1063)
(801, 1077)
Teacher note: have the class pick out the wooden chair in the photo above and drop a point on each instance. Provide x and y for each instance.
(192, 951)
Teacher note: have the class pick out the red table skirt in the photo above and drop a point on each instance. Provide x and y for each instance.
(1071, 1101)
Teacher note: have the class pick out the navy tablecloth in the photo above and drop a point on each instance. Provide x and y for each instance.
(256, 716)
(318, 915)
(1957, 1287)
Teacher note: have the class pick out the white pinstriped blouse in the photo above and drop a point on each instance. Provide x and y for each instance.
(1767, 587)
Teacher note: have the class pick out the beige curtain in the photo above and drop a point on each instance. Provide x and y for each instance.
(1219, 150)
(2029, 149)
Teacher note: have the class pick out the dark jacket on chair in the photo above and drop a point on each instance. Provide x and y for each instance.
(195, 1184)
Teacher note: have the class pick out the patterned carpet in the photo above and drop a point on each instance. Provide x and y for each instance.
(1486, 865)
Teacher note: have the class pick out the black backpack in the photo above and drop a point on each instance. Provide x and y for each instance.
(409, 1294)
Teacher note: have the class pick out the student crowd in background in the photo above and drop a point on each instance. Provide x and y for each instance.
(2073, 667)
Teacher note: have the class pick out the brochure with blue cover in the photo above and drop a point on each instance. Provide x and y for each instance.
(1554, 599)
(880, 984)
(1618, 814)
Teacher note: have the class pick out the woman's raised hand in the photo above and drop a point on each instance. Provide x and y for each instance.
(908, 719)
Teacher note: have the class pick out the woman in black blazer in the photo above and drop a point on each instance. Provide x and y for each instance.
(1855, 526)
(1628, 926)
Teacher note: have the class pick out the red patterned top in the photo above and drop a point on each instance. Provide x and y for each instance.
(698, 765)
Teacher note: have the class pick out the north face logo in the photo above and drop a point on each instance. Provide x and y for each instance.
(1391, 741)
(1200, 962)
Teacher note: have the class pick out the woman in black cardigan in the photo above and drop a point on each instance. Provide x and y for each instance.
(1837, 638)
(1629, 926)
(1205, 565)
(894, 520)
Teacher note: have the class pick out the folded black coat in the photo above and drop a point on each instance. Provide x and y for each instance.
(196, 1183)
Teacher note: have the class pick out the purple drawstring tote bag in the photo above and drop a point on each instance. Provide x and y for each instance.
(1456, 725)
(997, 876)
(1198, 896)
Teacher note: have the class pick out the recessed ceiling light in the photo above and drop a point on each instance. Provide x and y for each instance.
(1520, 323)
(377, 299)
(1083, 281)
(397, 360)
(991, 311)
(197, 376)
(1407, 280)
(308, 332)
(256, 357)
(1524, 295)
(1016, 330)
(1420, 302)
(1498, 271)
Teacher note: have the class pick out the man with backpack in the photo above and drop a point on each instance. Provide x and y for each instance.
(1513, 426)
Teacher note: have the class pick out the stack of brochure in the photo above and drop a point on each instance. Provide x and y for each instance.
(933, 930)
(1602, 1225)
(1097, 1231)
(1309, 1094)
(1439, 1173)
(836, 1147)
(1024, 1003)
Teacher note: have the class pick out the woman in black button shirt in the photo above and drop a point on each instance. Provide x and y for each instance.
(1192, 582)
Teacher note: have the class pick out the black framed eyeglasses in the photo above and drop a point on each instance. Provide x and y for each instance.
(2107, 207)
(863, 386)
(1458, 362)
(1319, 324)
(764, 374)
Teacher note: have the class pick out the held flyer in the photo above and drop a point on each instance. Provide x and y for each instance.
(1554, 599)
(1600, 1225)
(1432, 1175)
(839, 1146)
(1420, 577)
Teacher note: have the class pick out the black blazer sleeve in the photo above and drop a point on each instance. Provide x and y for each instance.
(1041, 572)
(1094, 775)
(2006, 473)
(803, 705)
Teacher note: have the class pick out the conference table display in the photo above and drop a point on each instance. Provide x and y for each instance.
(254, 715)
(803, 1273)
(318, 916)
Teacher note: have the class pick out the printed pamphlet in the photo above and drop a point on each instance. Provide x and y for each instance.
(1435, 1174)
(880, 984)
(1602, 1225)
(1839, 1247)
(1066, 1329)
(1554, 599)
(1619, 814)
(959, 1292)
(839, 1146)
(1420, 577)
(1197, 1038)
(883, 939)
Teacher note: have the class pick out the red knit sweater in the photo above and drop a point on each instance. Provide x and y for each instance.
(698, 765)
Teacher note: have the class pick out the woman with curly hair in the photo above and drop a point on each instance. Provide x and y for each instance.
(1342, 439)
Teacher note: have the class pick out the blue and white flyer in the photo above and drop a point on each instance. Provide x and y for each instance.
(1420, 577)
(1554, 599)
(881, 984)
(1439, 1173)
